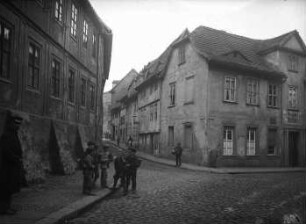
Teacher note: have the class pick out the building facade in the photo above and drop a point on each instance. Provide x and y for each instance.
(119, 125)
(55, 59)
(107, 101)
(229, 100)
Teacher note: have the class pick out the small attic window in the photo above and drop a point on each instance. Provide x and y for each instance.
(293, 63)
(181, 55)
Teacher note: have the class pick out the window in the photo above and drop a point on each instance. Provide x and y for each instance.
(58, 10)
(293, 97)
(55, 79)
(228, 140)
(92, 96)
(273, 95)
(272, 139)
(83, 92)
(293, 63)
(33, 66)
(172, 94)
(71, 83)
(74, 18)
(85, 33)
(5, 50)
(94, 45)
(252, 92)
(230, 89)
(155, 111)
(151, 112)
(181, 54)
(189, 89)
(171, 136)
(251, 141)
(188, 136)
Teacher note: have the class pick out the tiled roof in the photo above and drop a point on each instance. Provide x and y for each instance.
(121, 89)
(158, 66)
(215, 45)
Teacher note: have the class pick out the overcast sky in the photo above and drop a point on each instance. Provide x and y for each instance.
(143, 29)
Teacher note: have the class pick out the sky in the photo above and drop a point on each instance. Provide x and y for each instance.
(143, 29)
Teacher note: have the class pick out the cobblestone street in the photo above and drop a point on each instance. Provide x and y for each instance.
(172, 195)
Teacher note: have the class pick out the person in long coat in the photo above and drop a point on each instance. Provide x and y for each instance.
(178, 150)
(88, 169)
(119, 166)
(11, 166)
(132, 164)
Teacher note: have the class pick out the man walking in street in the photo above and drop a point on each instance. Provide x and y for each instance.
(132, 164)
(178, 150)
(11, 165)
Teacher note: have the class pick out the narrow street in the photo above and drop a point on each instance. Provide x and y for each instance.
(173, 195)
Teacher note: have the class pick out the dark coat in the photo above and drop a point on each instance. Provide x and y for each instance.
(11, 163)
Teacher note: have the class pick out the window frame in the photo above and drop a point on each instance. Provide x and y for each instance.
(172, 94)
(55, 78)
(230, 89)
(252, 97)
(83, 89)
(58, 11)
(94, 45)
(71, 85)
(74, 20)
(181, 54)
(293, 100)
(85, 33)
(275, 97)
(225, 141)
(191, 100)
(92, 95)
(32, 64)
(8, 52)
(248, 150)
(293, 63)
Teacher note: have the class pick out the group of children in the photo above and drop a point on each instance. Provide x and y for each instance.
(125, 164)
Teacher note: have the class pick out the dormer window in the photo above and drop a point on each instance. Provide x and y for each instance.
(293, 63)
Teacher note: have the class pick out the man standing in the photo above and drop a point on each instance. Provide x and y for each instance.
(11, 165)
(178, 154)
(106, 158)
(88, 168)
(119, 166)
(130, 141)
(132, 164)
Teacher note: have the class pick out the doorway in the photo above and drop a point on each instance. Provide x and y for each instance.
(293, 148)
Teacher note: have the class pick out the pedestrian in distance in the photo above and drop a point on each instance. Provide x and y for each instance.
(130, 141)
(88, 168)
(132, 164)
(106, 158)
(11, 165)
(178, 150)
